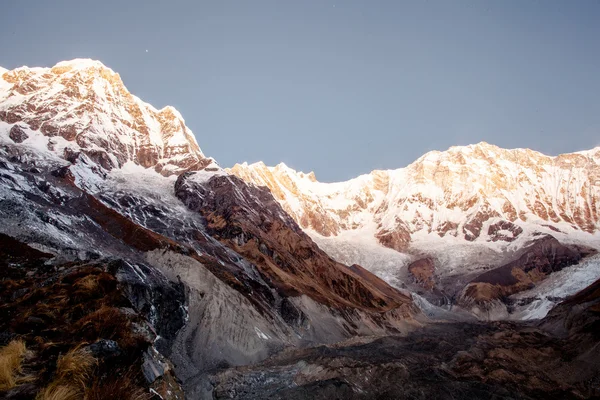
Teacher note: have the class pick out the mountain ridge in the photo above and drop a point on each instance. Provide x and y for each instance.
(449, 217)
(479, 198)
(457, 157)
(121, 239)
(85, 102)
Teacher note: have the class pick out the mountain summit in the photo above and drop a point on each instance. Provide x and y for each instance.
(436, 225)
(477, 192)
(86, 103)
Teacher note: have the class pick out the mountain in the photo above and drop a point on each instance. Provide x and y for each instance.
(134, 266)
(450, 216)
(85, 103)
(202, 270)
(473, 192)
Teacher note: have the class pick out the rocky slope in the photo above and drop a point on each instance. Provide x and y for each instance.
(84, 337)
(556, 358)
(93, 177)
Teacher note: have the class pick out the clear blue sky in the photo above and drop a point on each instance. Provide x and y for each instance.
(338, 87)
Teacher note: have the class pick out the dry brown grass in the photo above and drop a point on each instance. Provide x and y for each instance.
(60, 392)
(72, 377)
(117, 387)
(88, 283)
(11, 359)
(108, 323)
(75, 367)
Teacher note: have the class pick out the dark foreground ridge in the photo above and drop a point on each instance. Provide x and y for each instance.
(71, 331)
(501, 360)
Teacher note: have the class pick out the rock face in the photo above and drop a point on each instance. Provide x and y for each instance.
(423, 271)
(86, 104)
(578, 314)
(539, 259)
(250, 221)
(17, 134)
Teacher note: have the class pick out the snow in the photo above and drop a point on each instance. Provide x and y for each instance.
(491, 175)
(82, 63)
(4, 85)
(111, 123)
(362, 248)
(556, 288)
(261, 334)
(207, 173)
(145, 182)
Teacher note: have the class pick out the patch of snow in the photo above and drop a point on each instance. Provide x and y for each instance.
(261, 334)
(557, 287)
(207, 173)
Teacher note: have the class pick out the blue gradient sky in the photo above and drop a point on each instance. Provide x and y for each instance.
(338, 87)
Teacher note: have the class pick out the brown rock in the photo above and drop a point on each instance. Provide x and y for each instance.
(17, 134)
(398, 239)
(494, 231)
(541, 258)
(423, 271)
(249, 220)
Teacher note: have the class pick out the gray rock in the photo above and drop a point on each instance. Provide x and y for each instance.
(153, 367)
(19, 293)
(70, 155)
(104, 348)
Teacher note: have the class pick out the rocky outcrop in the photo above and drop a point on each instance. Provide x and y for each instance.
(17, 134)
(423, 272)
(579, 314)
(249, 220)
(538, 260)
(505, 231)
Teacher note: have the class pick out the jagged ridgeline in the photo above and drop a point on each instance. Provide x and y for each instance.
(134, 266)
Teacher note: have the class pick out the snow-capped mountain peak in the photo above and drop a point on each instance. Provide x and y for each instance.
(86, 103)
(478, 192)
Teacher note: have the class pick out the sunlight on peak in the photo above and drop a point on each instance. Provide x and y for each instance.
(81, 63)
